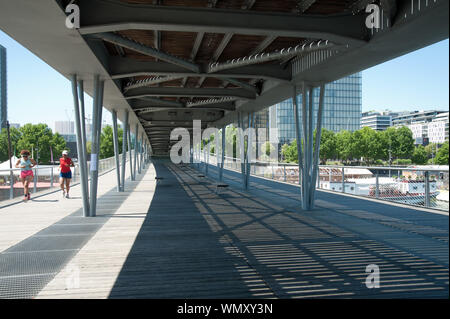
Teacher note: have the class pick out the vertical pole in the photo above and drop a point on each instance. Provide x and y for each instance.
(343, 179)
(284, 173)
(51, 178)
(298, 140)
(207, 157)
(35, 180)
(377, 185)
(241, 145)
(116, 148)
(124, 149)
(83, 131)
(310, 146)
(251, 122)
(11, 174)
(142, 152)
(96, 122)
(305, 180)
(222, 163)
(136, 132)
(317, 146)
(81, 152)
(427, 189)
(139, 154)
(130, 156)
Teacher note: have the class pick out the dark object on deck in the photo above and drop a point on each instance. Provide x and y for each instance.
(220, 186)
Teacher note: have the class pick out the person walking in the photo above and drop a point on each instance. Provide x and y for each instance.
(65, 162)
(25, 163)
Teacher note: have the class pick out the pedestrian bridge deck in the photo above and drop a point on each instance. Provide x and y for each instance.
(179, 239)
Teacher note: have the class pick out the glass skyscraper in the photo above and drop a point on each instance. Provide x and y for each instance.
(342, 109)
(3, 108)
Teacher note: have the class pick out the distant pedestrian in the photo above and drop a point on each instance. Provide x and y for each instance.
(65, 162)
(25, 163)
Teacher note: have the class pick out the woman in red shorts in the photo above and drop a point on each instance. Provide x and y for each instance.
(65, 173)
(26, 173)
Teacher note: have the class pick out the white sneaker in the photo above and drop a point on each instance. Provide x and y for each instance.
(64, 194)
(67, 196)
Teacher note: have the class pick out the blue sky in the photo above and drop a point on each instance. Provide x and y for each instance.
(417, 81)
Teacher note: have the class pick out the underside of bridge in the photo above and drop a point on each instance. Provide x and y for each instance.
(163, 64)
(173, 61)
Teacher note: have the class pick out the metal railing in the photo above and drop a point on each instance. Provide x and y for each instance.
(415, 186)
(46, 177)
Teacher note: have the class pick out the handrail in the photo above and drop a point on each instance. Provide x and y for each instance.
(346, 167)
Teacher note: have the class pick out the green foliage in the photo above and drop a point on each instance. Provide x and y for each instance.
(39, 138)
(267, 148)
(15, 137)
(442, 155)
(107, 142)
(344, 145)
(328, 143)
(402, 162)
(405, 140)
(289, 152)
(231, 139)
(420, 156)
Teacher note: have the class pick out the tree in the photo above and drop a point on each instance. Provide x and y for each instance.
(390, 143)
(328, 144)
(420, 156)
(39, 138)
(107, 142)
(15, 137)
(231, 139)
(431, 150)
(442, 155)
(344, 145)
(405, 141)
(289, 152)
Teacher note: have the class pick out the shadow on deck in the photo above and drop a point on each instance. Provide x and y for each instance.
(259, 244)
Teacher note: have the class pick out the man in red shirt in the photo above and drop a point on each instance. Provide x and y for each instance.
(65, 173)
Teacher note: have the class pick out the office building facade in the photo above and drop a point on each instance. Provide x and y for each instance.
(342, 109)
(3, 90)
(426, 126)
(65, 127)
(379, 121)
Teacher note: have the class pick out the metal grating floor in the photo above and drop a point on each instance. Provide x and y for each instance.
(27, 267)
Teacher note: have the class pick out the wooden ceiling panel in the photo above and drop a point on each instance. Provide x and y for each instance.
(212, 83)
(209, 45)
(178, 43)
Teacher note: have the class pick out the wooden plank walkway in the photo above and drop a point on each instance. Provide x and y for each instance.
(180, 239)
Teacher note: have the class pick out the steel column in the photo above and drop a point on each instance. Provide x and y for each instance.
(83, 127)
(305, 170)
(251, 123)
(124, 149)
(96, 112)
(116, 148)
(142, 152)
(80, 145)
(299, 142)
(129, 152)
(135, 149)
(317, 146)
(241, 145)
(427, 189)
(207, 156)
(224, 128)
